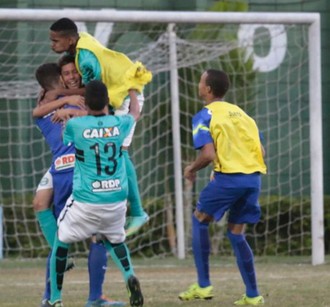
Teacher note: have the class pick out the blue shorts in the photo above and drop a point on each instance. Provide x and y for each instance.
(240, 200)
(62, 187)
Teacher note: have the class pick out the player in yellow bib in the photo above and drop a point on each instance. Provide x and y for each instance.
(228, 137)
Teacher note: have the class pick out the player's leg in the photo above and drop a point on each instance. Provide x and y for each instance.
(114, 233)
(57, 269)
(73, 226)
(47, 221)
(97, 265)
(137, 216)
(212, 204)
(201, 251)
(246, 210)
(41, 205)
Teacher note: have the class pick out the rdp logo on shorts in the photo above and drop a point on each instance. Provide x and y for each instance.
(106, 185)
(64, 162)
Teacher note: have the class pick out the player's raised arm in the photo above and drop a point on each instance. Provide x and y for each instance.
(134, 108)
(43, 109)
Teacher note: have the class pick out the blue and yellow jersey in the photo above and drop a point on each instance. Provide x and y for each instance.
(235, 136)
(100, 173)
(114, 69)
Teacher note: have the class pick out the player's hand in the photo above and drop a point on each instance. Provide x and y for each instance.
(189, 173)
(76, 100)
(61, 115)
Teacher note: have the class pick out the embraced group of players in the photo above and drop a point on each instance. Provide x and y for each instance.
(87, 111)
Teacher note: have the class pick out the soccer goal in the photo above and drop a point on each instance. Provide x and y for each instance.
(273, 60)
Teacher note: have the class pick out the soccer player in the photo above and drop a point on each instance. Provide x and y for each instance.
(49, 77)
(119, 74)
(100, 188)
(228, 137)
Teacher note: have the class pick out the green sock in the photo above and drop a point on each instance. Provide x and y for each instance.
(133, 188)
(57, 269)
(121, 257)
(48, 225)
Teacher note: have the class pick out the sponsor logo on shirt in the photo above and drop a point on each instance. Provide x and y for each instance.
(64, 162)
(101, 132)
(106, 185)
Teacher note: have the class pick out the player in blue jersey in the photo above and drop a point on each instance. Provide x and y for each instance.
(119, 73)
(100, 188)
(46, 113)
(228, 137)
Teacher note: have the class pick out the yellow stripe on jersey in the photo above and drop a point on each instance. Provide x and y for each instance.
(200, 127)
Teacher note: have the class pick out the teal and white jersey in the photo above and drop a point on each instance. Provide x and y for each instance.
(99, 172)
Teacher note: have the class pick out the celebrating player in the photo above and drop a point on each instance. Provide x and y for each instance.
(119, 74)
(228, 137)
(57, 181)
(98, 203)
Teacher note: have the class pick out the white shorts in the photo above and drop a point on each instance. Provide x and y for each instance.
(79, 221)
(124, 108)
(46, 182)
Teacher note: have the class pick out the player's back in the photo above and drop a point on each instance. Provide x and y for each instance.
(62, 156)
(100, 174)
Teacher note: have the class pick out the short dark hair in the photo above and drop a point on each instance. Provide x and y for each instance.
(66, 59)
(65, 26)
(48, 75)
(96, 95)
(218, 81)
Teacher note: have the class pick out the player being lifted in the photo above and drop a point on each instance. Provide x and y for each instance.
(100, 189)
(119, 74)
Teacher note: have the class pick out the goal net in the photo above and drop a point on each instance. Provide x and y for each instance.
(268, 59)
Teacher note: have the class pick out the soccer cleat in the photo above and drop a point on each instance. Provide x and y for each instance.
(56, 304)
(134, 223)
(195, 292)
(134, 292)
(254, 301)
(103, 302)
(44, 303)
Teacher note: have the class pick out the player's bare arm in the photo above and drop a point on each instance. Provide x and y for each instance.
(65, 114)
(205, 157)
(45, 108)
(134, 108)
(53, 94)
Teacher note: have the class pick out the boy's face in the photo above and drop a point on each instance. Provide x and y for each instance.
(70, 76)
(60, 43)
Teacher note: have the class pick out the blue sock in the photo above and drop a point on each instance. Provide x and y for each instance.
(201, 250)
(133, 188)
(47, 281)
(245, 262)
(97, 264)
(121, 257)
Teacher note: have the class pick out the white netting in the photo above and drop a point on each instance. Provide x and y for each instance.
(273, 89)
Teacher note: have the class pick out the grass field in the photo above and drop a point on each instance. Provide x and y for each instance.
(284, 282)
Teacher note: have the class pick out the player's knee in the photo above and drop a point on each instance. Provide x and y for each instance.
(234, 238)
(39, 204)
(202, 216)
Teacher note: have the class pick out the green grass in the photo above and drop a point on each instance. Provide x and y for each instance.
(284, 282)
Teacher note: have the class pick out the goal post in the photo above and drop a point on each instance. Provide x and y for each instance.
(278, 82)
